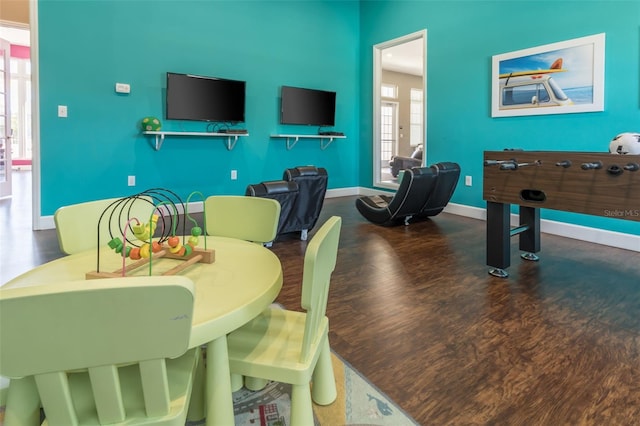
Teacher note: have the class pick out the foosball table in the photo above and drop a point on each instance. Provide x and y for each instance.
(600, 184)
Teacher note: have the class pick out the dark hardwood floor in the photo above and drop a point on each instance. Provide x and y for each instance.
(414, 309)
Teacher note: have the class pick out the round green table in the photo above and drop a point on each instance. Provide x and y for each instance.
(242, 281)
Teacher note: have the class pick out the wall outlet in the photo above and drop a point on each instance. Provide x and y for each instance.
(123, 88)
(62, 111)
(131, 181)
(234, 174)
(467, 180)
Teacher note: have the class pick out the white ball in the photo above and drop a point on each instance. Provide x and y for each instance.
(625, 143)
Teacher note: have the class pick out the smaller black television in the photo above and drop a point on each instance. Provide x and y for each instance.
(307, 106)
(200, 98)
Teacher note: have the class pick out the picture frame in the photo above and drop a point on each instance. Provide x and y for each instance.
(558, 78)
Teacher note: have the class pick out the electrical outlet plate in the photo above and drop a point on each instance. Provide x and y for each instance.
(123, 88)
(467, 180)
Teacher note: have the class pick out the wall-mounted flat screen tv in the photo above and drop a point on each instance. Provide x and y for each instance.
(194, 97)
(307, 106)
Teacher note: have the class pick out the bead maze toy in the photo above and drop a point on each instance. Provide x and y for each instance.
(141, 243)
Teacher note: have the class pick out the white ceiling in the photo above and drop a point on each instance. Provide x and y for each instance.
(405, 58)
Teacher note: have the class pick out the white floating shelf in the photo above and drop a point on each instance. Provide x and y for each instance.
(232, 138)
(325, 140)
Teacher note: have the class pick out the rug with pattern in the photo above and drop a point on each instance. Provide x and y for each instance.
(358, 403)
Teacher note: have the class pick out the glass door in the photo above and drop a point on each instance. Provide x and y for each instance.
(388, 137)
(5, 121)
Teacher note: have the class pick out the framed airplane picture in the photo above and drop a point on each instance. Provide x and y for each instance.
(559, 78)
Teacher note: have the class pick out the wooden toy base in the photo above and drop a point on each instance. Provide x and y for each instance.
(197, 256)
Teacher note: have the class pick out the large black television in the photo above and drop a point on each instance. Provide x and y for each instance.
(200, 98)
(307, 106)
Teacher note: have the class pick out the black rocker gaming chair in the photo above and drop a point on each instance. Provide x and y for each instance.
(448, 175)
(423, 192)
(312, 187)
(285, 192)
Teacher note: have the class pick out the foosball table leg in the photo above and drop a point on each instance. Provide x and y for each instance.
(498, 236)
(530, 239)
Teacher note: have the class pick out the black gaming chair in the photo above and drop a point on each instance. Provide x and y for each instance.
(285, 192)
(413, 193)
(423, 192)
(448, 175)
(312, 187)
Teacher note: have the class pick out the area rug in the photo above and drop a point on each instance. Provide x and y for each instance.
(358, 403)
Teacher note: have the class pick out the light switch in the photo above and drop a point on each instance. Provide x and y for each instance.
(62, 111)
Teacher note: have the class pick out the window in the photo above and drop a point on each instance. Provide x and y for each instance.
(524, 94)
(21, 108)
(389, 91)
(387, 132)
(415, 118)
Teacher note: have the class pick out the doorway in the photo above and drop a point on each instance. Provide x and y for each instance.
(24, 122)
(399, 99)
(15, 131)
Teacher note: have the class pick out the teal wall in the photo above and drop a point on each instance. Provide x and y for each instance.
(88, 46)
(85, 47)
(462, 37)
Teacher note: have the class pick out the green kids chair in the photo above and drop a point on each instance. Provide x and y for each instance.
(98, 352)
(245, 218)
(293, 347)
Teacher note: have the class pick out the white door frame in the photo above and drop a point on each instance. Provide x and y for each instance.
(5, 184)
(37, 220)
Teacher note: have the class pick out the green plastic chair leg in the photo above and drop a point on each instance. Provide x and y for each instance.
(301, 407)
(236, 382)
(254, 383)
(197, 410)
(23, 403)
(323, 391)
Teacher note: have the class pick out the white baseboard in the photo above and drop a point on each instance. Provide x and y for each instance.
(562, 229)
(45, 222)
(343, 192)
